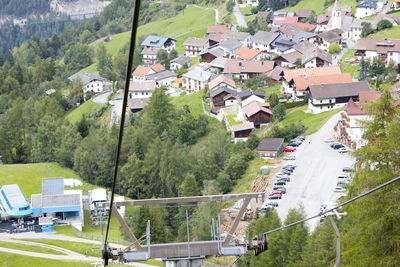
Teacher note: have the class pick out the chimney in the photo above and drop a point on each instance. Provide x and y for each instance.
(240, 63)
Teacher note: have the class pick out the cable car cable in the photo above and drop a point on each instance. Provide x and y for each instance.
(135, 21)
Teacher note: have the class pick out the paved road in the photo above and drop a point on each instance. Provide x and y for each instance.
(313, 181)
(239, 16)
(102, 99)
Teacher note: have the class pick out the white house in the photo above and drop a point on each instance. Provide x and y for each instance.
(325, 39)
(386, 49)
(195, 46)
(366, 8)
(141, 89)
(262, 40)
(161, 42)
(349, 129)
(149, 56)
(140, 73)
(195, 80)
(162, 78)
(180, 62)
(90, 82)
(326, 97)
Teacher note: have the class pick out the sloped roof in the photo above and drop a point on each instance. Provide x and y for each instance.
(331, 36)
(369, 96)
(142, 71)
(289, 74)
(282, 20)
(182, 60)
(248, 66)
(263, 37)
(379, 45)
(85, 77)
(270, 144)
(155, 41)
(161, 75)
(146, 85)
(305, 26)
(230, 44)
(303, 13)
(157, 67)
(367, 4)
(242, 127)
(324, 91)
(221, 79)
(245, 94)
(138, 103)
(290, 29)
(217, 29)
(254, 107)
(236, 35)
(276, 73)
(322, 19)
(150, 51)
(194, 41)
(302, 82)
(198, 75)
(53, 186)
(221, 89)
(245, 52)
(353, 109)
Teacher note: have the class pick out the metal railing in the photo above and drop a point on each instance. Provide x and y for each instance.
(100, 238)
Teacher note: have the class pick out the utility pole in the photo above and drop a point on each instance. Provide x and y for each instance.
(337, 262)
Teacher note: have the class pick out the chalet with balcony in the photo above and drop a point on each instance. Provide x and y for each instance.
(149, 56)
(330, 96)
(386, 49)
(325, 39)
(160, 42)
(195, 46)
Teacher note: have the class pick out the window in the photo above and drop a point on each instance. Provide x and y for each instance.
(320, 101)
(330, 100)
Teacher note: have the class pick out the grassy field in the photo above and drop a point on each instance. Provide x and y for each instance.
(318, 5)
(275, 88)
(393, 32)
(312, 121)
(249, 18)
(85, 109)
(81, 248)
(30, 248)
(179, 40)
(115, 231)
(243, 185)
(192, 21)
(29, 176)
(350, 68)
(192, 100)
(246, 10)
(232, 121)
(13, 260)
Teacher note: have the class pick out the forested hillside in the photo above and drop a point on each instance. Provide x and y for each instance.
(23, 8)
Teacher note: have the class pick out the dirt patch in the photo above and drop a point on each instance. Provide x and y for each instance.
(260, 184)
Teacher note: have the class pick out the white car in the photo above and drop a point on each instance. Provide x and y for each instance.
(343, 150)
(329, 140)
(289, 158)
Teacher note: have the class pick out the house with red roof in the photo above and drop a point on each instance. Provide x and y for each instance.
(349, 129)
(140, 73)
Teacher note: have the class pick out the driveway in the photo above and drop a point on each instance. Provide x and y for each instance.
(314, 180)
(239, 16)
(102, 99)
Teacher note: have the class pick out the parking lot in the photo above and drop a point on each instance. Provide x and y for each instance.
(314, 180)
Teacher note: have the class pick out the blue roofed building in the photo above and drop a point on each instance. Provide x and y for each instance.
(368, 8)
(160, 42)
(13, 201)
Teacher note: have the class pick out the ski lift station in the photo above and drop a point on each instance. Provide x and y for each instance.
(54, 203)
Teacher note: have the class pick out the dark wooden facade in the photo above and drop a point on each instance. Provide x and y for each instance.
(260, 118)
(243, 133)
(218, 100)
(207, 57)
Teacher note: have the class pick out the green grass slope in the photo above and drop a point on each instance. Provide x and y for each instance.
(12, 260)
(318, 5)
(312, 121)
(393, 32)
(85, 109)
(192, 100)
(192, 20)
(29, 176)
(30, 248)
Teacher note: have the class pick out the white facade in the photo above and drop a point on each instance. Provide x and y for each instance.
(336, 17)
(251, 99)
(364, 12)
(95, 86)
(230, 102)
(192, 51)
(193, 85)
(320, 105)
(165, 82)
(175, 66)
(149, 59)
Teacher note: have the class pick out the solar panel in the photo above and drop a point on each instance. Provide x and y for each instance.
(53, 186)
(15, 196)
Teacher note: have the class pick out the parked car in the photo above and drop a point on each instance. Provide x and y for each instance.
(329, 140)
(290, 168)
(289, 158)
(286, 179)
(274, 192)
(280, 183)
(293, 165)
(340, 189)
(273, 204)
(334, 144)
(343, 150)
(277, 196)
(347, 169)
(343, 176)
(280, 188)
(337, 146)
(289, 149)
